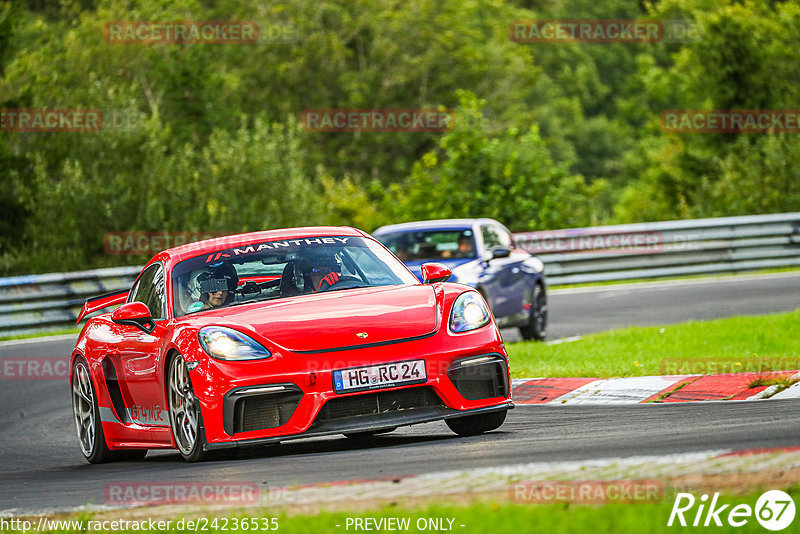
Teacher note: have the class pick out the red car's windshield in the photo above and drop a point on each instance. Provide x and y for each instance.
(282, 269)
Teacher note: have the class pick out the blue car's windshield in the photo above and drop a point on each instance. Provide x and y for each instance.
(420, 245)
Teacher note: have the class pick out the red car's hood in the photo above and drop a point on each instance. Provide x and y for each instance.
(333, 320)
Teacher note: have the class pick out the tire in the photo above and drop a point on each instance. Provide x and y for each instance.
(536, 329)
(473, 425)
(185, 417)
(88, 426)
(369, 433)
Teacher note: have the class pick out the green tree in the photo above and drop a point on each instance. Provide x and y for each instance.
(511, 178)
(743, 59)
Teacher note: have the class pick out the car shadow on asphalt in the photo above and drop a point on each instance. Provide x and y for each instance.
(320, 445)
(325, 445)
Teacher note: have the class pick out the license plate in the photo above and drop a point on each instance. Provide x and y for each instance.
(383, 375)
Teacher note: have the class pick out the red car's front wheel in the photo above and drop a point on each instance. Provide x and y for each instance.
(184, 412)
(473, 425)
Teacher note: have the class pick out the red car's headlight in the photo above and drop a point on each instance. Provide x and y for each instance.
(469, 312)
(228, 344)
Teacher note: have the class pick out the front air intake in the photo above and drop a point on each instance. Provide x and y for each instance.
(395, 400)
(259, 408)
(477, 378)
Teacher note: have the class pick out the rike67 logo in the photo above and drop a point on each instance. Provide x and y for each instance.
(774, 510)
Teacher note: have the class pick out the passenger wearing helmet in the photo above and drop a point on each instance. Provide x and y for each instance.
(217, 285)
(320, 269)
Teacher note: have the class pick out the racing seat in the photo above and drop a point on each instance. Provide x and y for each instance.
(288, 287)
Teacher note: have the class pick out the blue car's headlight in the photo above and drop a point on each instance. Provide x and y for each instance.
(228, 344)
(469, 312)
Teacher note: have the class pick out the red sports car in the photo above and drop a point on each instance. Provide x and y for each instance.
(270, 336)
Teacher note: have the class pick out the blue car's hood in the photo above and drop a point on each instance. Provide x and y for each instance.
(416, 265)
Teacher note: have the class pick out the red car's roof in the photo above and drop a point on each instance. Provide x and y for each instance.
(197, 248)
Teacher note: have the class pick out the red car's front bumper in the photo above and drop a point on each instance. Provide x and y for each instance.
(291, 395)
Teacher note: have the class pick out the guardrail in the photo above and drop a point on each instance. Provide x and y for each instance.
(47, 302)
(663, 249)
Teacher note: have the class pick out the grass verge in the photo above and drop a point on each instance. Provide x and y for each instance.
(76, 331)
(734, 345)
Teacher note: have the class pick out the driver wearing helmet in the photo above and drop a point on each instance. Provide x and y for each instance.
(320, 268)
(217, 285)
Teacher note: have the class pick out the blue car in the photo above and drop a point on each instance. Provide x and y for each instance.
(481, 254)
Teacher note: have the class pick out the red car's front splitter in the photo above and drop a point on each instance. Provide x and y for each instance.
(367, 424)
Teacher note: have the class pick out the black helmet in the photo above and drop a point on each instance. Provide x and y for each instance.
(218, 277)
(317, 257)
(312, 258)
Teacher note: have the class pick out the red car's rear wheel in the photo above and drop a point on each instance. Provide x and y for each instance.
(86, 415)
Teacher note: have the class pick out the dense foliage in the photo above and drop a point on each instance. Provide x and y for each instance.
(546, 135)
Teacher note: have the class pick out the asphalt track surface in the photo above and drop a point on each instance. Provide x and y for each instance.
(581, 311)
(41, 468)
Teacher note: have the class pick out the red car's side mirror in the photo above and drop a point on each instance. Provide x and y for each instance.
(136, 314)
(435, 272)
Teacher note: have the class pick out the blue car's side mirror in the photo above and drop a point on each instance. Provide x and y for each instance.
(500, 252)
